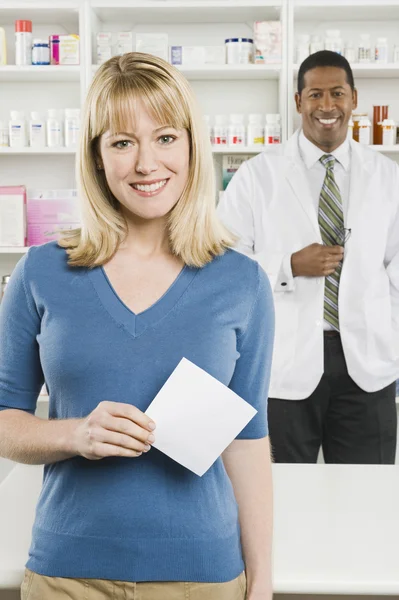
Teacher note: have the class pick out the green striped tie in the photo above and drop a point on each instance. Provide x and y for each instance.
(331, 222)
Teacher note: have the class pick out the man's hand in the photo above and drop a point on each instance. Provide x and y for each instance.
(316, 260)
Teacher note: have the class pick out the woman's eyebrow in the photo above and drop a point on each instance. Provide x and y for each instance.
(165, 127)
(133, 134)
(111, 135)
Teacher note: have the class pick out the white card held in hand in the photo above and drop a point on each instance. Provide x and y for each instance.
(197, 417)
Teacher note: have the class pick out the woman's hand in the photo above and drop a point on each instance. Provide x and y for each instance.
(113, 429)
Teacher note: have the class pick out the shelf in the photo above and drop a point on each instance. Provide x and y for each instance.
(38, 151)
(51, 73)
(259, 149)
(388, 149)
(237, 149)
(186, 11)
(224, 72)
(231, 72)
(70, 152)
(13, 250)
(370, 71)
(215, 149)
(378, 71)
(346, 10)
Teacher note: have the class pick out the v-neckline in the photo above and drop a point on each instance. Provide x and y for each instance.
(134, 323)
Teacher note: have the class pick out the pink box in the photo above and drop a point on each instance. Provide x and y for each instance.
(53, 206)
(13, 215)
(268, 42)
(40, 233)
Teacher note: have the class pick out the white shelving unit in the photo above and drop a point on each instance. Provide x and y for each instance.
(386, 149)
(13, 250)
(37, 151)
(215, 150)
(39, 88)
(220, 88)
(229, 72)
(33, 74)
(237, 149)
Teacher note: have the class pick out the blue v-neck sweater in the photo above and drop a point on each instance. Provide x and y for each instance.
(145, 518)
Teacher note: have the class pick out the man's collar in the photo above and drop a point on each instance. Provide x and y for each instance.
(311, 153)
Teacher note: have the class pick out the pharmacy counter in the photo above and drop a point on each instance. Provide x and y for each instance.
(336, 528)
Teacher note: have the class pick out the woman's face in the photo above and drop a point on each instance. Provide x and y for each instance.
(147, 166)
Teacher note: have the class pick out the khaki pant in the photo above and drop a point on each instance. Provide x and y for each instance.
(39, 587)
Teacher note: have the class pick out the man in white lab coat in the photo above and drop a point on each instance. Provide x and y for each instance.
(321, 215)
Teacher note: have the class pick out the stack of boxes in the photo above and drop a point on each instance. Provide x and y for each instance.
(33, 217)
(13, 216)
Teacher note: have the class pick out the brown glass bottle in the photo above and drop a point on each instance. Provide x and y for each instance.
(379, 114)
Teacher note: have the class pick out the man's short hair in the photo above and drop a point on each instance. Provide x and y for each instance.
(324, 58)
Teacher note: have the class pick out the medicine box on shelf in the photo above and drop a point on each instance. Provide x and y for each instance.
(53, 206)
(13, 216)
(49, 212)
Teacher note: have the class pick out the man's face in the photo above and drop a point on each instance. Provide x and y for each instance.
(326, 104)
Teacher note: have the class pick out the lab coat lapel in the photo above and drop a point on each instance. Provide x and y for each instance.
(297, 179)
(361, 175)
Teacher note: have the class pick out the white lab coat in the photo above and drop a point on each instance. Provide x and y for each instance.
(269, 206)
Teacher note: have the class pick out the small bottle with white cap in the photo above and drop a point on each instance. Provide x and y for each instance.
(37, 131)
(17, 129)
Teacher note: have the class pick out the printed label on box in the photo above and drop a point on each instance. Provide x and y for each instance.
(41, 233)
(231, 164)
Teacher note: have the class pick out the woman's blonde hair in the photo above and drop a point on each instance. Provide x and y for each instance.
(195, 233)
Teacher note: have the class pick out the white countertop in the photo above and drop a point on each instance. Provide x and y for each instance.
(336, 528)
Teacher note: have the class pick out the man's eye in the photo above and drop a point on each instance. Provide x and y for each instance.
(121, 144)
(166, 139)
(315, 95)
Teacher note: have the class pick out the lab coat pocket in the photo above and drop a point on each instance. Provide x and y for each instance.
(381, 342)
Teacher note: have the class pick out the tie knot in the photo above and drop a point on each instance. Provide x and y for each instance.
(328, 161)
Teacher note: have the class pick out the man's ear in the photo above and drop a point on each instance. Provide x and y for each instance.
(298, 102)
(354, 99)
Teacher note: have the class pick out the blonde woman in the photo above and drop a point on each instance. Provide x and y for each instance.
(104, 318)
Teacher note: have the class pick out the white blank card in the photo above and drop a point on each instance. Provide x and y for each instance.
(196, 417)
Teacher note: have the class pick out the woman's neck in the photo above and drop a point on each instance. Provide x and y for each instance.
(146, 238)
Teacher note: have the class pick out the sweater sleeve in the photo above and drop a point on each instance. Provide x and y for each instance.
(252, 372)
(21, 375)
